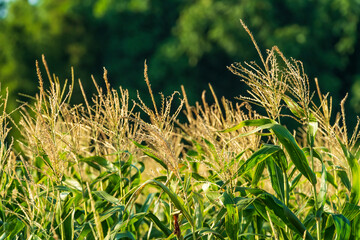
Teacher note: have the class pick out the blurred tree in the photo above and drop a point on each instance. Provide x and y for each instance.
(323, 34)
(185, 42)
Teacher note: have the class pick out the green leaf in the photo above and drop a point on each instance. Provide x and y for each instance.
(350, 211)
(126, 235)
(330, 178)
(264, 199)
(295, 181)
(15, 229)
(159, 224)
(198, 177)
(116, 210)
(232, 224)
(84, 231)
(297, 156)
(257, 157)
(342, 227)
(276, 178)
(229, 164)
(258, 173)
(212, 149)
(146, 151)
(145, 208)
(287, 140)
(355, 174)
(178, 202)
(69, 224)
(344, 178)
(355, 228)
(104, 195)
(315, 153)
(198, 211)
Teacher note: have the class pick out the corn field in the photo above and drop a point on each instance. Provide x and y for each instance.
(116, 168)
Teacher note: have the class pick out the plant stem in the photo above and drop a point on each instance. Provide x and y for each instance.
(120, 175)
(318, 225)
(272, 225)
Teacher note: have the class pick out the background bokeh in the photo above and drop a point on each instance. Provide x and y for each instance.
(185, 42)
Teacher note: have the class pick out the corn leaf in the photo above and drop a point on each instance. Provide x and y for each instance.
(198, 211)
(287, 140)
(278, 208)
(297, 156)
(342, 227)
(355, 174)
(125, 235)
(276, 178)
(258, 173)
(350, 211)
(150, 216)
(341, 173)
(232, 224)
(175, 199)
(257, 157)
(104, 195)
(146, 151)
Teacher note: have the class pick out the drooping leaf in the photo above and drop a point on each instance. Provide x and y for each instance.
(296, 154)
(117, 210)
(278, 208)
(198, 177)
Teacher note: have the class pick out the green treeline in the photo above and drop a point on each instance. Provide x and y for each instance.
(185, 42)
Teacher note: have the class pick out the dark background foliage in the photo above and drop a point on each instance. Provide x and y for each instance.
(185, 42)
